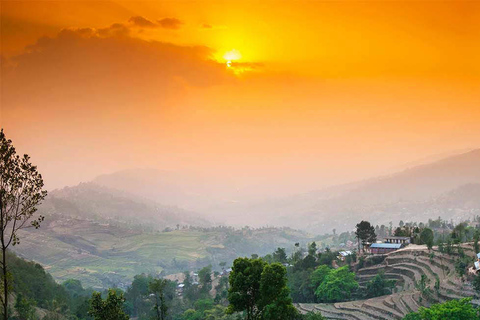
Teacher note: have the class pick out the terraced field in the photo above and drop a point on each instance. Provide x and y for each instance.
(406, 266)
(103, 255)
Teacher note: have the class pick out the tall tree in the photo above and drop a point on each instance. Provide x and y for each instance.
(476, 236)
(205, 279)
(157, 288)
(21, 191)
(280, 255)
(136, 294)
(275, 301)
(112, 308)
(365, 233)
(312, 248)
(244, 292)
(260, 290)
(426, 237)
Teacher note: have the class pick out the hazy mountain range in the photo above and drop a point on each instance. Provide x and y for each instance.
(105, 235)
(382, 199)
(93, 201)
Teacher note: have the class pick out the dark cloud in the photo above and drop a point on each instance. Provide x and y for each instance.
(116, 29)
(142, 22)
(100, 89)
(170, 23)
(207, 26)
(100, 69)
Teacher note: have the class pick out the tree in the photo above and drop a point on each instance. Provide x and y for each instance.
(319, 275)
(312, 248)
(205, 279)
(260, 290)
(109, 309)
(190, 291)
(453, 309)
(476, 236)
(275, 302)
(25, 308)
(244, 292)
(157, 288)
(426, 236)
(312, 316)
(379, 286)
(338, 285)
(459, 232)
(280, 255)
(21, 191)
(365, 233)
(136, 294)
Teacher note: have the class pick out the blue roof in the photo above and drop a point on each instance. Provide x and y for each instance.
(386, 245)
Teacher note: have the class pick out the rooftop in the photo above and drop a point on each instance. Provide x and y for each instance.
(399, 238)
(386, 245)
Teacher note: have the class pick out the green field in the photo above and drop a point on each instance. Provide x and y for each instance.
(104, 255)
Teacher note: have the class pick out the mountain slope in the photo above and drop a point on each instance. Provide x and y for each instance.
(423, 189)
(104, 237)
(185, 190)
(90, 200)
(110, 254)
(421, 182)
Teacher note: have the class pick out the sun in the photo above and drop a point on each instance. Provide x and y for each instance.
(232, 55)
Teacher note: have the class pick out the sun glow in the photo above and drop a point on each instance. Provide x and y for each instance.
(232, 55)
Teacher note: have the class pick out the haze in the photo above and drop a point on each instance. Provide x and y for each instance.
(324, 93)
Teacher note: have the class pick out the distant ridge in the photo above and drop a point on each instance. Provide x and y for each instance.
(91, 200)
(413, 193)
(422, 181)
(382, 199)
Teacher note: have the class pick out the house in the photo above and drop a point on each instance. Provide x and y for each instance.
(343, 254)
(381, 248)
(226, 272)
(476, 266)
(401, 240)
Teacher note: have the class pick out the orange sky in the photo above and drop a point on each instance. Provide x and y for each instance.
(324, 92)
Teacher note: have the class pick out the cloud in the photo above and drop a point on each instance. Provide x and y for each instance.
(242, 67)
(207, 26)
(116, 29)
(142, 22)
(170, 23)
(103, 70)
(104, 90)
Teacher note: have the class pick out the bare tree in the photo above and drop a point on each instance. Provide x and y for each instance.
(21, 191)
